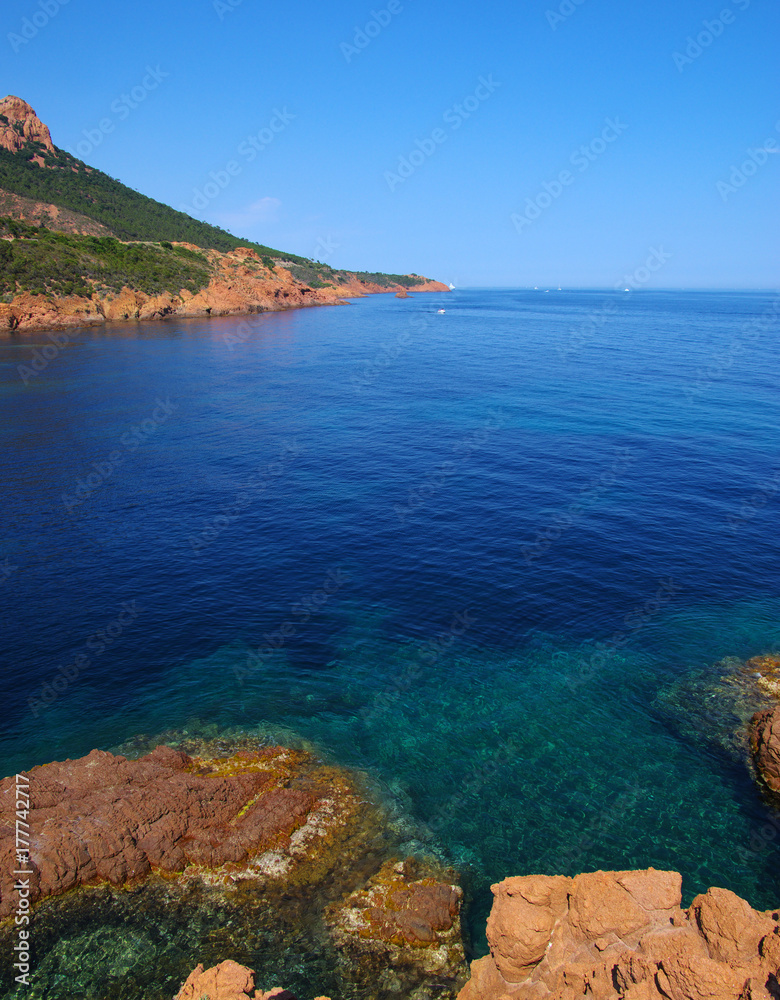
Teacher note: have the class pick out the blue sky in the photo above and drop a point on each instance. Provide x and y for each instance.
(485, 109)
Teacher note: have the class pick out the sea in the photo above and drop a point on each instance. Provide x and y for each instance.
(496, 550)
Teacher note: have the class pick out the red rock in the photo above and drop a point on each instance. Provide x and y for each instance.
(407, 916)
(521, 921)
(623, 936)
(732, 929)
(104, 818)
(22, 118)
(228, 981)
(765, 744)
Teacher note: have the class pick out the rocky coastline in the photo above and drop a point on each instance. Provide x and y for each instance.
(280, 848)
(241, 281)
(601, 936)
(240, 284)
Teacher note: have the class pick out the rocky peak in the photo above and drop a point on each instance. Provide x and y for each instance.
(23, 125)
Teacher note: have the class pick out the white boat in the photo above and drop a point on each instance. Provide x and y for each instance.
(441, 311)
(452, 287)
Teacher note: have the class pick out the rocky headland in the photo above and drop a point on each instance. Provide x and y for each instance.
(239, 281)
(239, 284)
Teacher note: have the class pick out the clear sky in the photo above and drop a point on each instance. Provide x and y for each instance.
(485, 107)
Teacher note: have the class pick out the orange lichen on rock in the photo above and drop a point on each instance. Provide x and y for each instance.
(766, 671)
(406, 915)
(260, 814)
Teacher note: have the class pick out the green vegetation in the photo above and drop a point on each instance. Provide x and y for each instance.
(315, 275)
(377, 278)
(50, 263)
(54, 263)
(320, 275)
(70, 183)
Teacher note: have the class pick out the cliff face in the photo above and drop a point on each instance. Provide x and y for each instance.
(22, 125)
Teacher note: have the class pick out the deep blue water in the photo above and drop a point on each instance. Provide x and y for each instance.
(451, 512)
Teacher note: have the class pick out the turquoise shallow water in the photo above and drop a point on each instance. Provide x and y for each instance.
(475, 555)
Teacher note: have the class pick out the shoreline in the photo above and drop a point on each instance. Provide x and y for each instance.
(240, 285)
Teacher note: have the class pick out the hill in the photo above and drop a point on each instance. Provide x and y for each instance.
(71, 230)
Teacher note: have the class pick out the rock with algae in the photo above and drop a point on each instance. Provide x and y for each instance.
(241, 842)
(766, 672)
(403, 923)
(715, 704)
(265, 815)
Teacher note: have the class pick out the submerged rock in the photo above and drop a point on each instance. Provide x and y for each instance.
(765, 746)
(623, 936)
(715, 704)
(766, 671)
(404, 924)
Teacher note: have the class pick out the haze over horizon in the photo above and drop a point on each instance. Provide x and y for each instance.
(563, 144)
